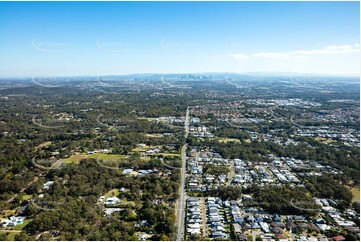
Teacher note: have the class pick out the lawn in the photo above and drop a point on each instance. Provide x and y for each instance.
(21, 226)
(355, 194)
(112, 193)
(27, 197)
(127, 203)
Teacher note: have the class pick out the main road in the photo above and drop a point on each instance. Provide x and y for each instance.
(181, 203)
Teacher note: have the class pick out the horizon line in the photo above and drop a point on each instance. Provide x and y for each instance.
(276, 73)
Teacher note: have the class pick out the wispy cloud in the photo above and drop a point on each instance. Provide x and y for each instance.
(329, 50)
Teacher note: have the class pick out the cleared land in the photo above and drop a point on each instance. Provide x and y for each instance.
(47, 143)
(78, 157)
(324, 140)
(228, 140)
(148, 119)
(355, 194)
(154, 135)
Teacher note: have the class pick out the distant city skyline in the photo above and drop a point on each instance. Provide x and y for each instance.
(118, 38)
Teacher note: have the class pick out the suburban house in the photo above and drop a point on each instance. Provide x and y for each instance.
(112, 201)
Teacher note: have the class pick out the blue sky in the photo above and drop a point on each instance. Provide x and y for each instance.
(99, 38)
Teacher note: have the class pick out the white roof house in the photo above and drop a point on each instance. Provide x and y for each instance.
(48, 184)
(112, 201)
(127, 171)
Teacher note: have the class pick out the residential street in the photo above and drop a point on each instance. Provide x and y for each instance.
(181, 208)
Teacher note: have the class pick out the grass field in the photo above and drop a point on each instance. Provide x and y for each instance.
(148, 119)
(75, 158)
(165, 154)
(110, 157)
(226, 140)
(144, 148)
(355, 194)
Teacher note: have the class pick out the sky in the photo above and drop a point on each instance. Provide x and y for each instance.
(114, 38)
